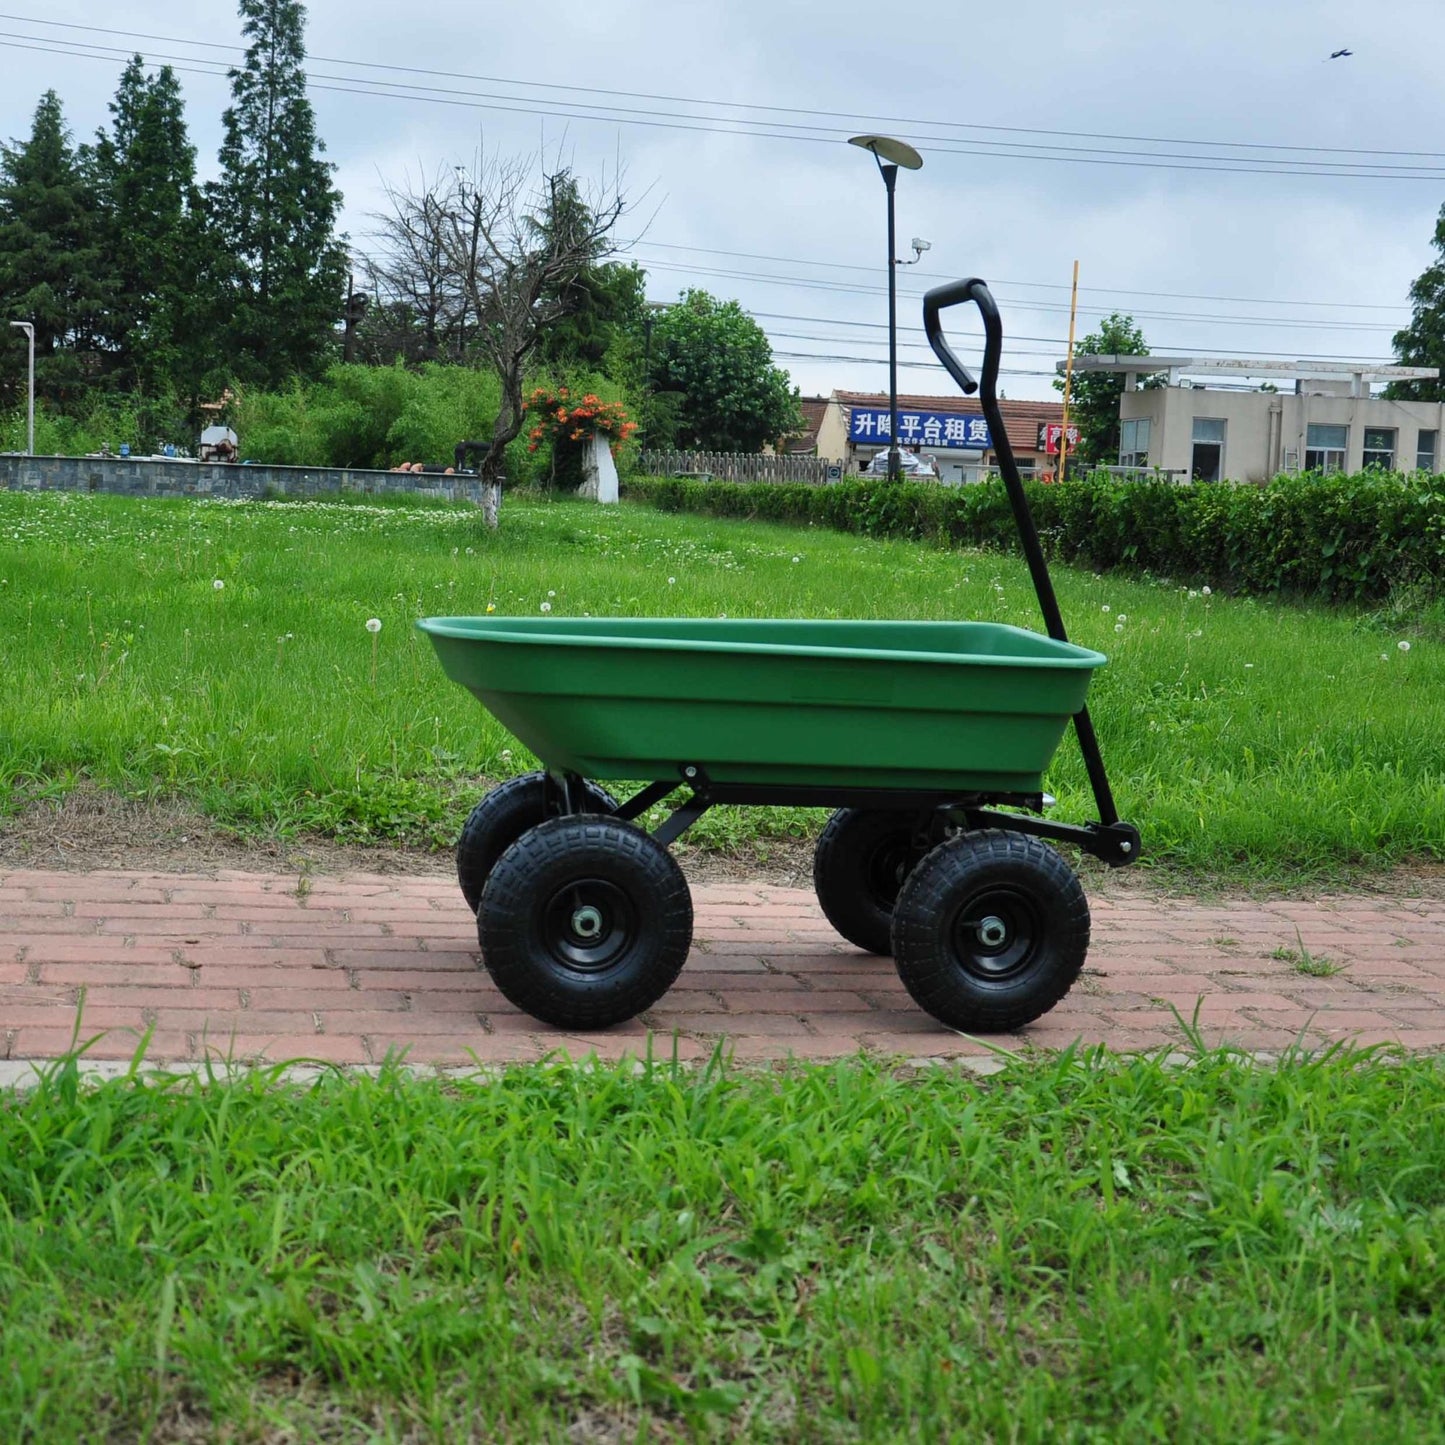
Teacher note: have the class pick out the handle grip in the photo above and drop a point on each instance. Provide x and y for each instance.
(952, 293)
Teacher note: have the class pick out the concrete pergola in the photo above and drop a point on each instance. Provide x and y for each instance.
(1361, 374)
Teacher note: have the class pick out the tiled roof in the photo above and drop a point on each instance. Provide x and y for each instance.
(813, 408)
(1021, 417)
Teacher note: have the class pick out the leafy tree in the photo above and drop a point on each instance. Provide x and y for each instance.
(1094, 395)
(51, 255)
(145, 172)
(512, 244)
(274, 209)
(717, 360)
(1422, 342)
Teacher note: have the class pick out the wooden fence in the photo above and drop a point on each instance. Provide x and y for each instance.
(743, 466)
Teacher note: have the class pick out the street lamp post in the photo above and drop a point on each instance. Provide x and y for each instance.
(28, 327)
(896, 153)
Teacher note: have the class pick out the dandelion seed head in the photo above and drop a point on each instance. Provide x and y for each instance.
(218, 585)
(546, 607)
(1118, 627)
(373, 624)
(1105, 608)
(1205, 592)
(1403, 645)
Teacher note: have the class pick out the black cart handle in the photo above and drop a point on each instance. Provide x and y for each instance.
(939, 299)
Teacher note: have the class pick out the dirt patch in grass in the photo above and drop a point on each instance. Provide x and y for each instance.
(91, 829)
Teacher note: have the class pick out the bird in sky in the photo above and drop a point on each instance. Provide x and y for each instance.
(1339, 54)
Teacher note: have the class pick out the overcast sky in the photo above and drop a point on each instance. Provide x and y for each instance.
(1294, 258)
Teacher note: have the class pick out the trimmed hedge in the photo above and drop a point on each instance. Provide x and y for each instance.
(1344, 538)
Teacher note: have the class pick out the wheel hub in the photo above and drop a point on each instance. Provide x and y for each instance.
(992, 931)
(589, 924)
(996, 934)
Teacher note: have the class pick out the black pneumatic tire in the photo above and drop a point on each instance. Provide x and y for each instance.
(990, 931)
(501, 818)
(585, 922)
(860, 863)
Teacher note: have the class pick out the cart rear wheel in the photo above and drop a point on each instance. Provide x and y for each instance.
(585, 922)
(860, 863)
(501, 818)
(990, 930)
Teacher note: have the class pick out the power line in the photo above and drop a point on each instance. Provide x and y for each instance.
(1031, 285)
(840, 116)
(1035, 151)
(863, 289)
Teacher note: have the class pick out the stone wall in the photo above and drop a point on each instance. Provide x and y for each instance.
(164, 477)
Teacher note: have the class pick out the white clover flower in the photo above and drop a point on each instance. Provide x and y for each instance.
(1249, 664)
(218, 585)
(546, 607)
(1192, 594)
(373, 624)
(1403, 645)
(506, 755)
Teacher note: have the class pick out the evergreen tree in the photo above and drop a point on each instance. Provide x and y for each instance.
(146, 172)
(1422, 342)
(274, 209)
(51, 254)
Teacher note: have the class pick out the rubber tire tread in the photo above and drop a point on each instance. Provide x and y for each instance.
(839, 874)
(541, 862)
(500, 819)
(921, 925)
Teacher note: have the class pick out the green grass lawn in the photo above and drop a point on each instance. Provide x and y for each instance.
(219, 652)
(1081, 1249)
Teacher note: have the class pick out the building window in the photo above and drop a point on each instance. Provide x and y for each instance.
(1379, 448)
(1134, 443)
(1425, 445)
(1207, 463)
(1325, 447)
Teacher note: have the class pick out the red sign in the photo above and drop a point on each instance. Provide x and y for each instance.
(1049, 434)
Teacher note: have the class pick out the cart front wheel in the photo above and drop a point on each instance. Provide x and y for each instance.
(990, 931)
(860, 863)
(585, 922)
(501, 818)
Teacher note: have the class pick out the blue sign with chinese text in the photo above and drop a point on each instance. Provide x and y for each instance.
(919, 429)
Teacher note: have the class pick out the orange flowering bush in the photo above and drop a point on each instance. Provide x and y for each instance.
(558, 416)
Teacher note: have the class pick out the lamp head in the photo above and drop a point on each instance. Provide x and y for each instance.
(886, 148)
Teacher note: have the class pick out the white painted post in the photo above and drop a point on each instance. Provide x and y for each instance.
(599, 471)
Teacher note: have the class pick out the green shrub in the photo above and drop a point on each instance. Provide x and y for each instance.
(1342, 538)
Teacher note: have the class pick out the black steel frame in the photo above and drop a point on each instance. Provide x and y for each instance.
(1109, 839)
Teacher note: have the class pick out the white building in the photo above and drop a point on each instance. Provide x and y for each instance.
(1314, 416)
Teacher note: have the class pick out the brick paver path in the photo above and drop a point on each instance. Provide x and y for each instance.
(349, 968)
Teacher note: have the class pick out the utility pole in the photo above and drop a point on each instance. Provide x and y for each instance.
(28, 327)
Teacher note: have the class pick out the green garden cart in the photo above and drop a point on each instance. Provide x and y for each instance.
(929, 740)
